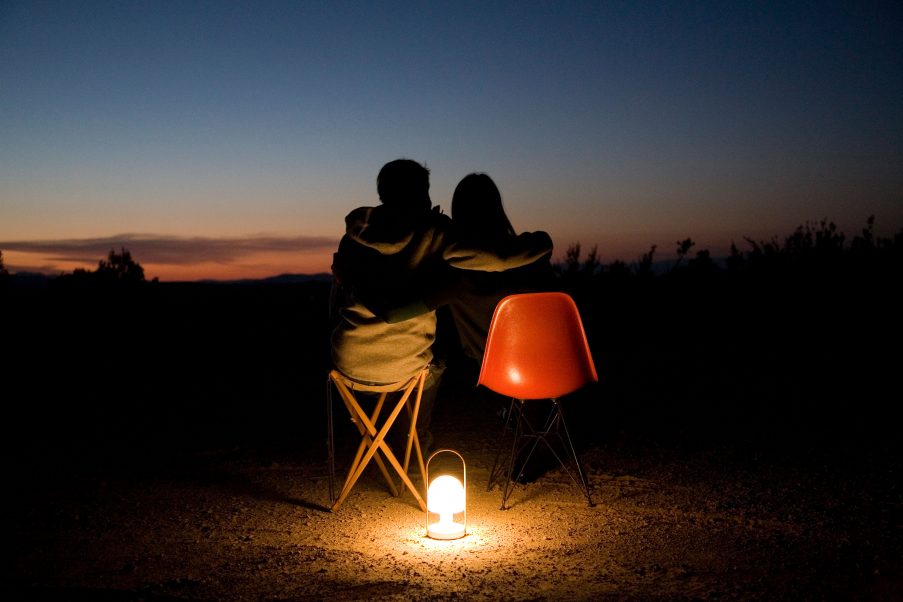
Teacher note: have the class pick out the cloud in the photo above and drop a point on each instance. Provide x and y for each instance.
(170, 250)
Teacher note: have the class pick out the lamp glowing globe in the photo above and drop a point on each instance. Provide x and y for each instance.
(446, 498)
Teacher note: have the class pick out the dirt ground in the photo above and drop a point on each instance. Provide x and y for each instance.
(249, 522)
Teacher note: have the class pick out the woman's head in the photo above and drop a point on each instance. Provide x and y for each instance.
(477, 208)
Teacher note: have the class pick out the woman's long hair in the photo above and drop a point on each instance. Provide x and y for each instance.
(477, 210)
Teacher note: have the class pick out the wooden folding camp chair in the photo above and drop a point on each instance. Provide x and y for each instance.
(373, 433)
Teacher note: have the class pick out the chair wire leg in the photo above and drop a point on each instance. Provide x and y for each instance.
(537, 436)
(496, 471)
(508, 487)
(580, 471)
(556, 421)
(554, 425)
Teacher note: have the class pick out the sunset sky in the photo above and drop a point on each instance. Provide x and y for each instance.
(229, 139)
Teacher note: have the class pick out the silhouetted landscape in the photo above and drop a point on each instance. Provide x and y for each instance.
(786, 352)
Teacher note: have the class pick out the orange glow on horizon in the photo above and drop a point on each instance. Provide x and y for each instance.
(251, 266)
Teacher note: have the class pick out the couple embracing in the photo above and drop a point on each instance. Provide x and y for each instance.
(401, 260)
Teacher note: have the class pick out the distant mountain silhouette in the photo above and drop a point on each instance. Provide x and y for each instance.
(30, 279)
(37, 279)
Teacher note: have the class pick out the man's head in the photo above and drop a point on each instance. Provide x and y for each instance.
(404, 184)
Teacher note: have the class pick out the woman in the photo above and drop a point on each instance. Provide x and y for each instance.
(482, 228)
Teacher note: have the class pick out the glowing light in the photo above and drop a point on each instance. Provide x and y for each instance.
(446, 497)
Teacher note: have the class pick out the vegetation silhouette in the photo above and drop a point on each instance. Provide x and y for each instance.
(791, 345)
(4, 273)
(118, 269)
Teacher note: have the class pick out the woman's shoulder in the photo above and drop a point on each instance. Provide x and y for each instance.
(539, 240)
(534, 245)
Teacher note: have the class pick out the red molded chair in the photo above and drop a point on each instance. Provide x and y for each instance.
(536, 349)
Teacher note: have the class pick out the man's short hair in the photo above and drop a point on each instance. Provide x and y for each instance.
(404, 183)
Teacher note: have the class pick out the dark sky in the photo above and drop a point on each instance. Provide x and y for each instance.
(229, 139)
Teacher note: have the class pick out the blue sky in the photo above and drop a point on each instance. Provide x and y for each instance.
(229, 139)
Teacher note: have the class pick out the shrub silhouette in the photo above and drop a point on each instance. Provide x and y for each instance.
(683, 247)
(784, 339)
(812, 246)
(119, 267)
(4, 274)
(118, 270)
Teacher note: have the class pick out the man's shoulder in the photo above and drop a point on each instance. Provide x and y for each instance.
(361, 215)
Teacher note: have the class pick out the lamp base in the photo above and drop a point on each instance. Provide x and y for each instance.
(445, 531)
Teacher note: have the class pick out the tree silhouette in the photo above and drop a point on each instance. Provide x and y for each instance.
(120, 267)
(814, 249)
(592, 263)
(4, 275)
(117, 270)
(735, 261)
(572, 259)
(644, 266)
(865, 246)
(683, 247)
(702, 263)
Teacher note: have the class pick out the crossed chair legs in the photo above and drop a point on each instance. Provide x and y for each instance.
(373, 445)
(554, 428)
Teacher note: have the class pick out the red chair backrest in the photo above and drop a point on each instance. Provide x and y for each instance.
(536, 348)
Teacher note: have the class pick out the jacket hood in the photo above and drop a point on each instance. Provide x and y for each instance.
(382, 228)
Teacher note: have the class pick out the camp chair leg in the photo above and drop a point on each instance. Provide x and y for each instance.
(330, 440)
(348, 399)
(379, 443)
(373, 445)
(360, 462)
(413, 437)
(366, 441)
